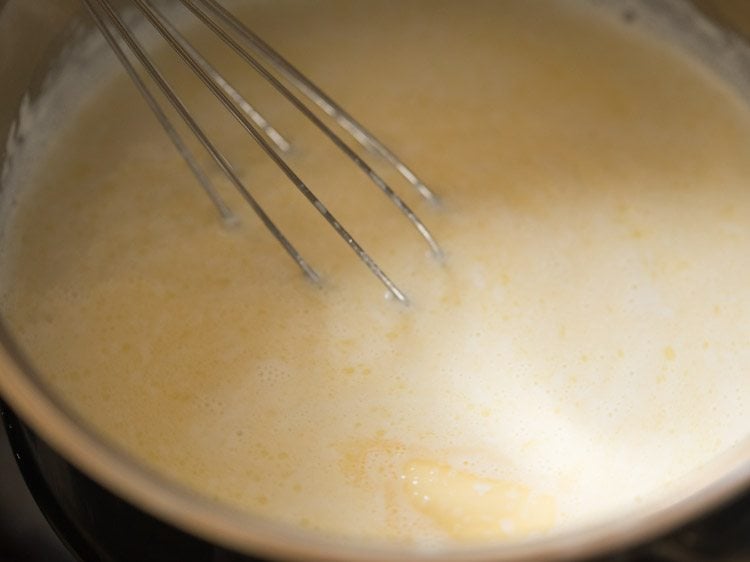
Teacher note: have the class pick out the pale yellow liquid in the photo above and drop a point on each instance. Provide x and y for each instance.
(583, 346)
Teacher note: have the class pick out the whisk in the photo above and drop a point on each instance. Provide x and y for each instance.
(269, 64)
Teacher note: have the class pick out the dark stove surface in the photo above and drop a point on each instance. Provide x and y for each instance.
(25, 536)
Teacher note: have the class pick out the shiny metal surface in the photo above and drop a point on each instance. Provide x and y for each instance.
(25, 60)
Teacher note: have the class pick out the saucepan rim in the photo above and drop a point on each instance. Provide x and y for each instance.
(21, 386)
(722, 479)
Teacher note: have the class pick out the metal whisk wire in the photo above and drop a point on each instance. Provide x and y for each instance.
(108, 21)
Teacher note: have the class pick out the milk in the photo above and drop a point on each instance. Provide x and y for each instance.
(582, 347)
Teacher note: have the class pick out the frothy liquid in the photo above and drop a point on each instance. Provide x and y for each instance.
(583, 346)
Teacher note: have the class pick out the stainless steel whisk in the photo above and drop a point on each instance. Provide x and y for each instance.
(252, 49)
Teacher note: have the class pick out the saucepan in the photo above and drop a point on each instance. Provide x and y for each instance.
(106, 506)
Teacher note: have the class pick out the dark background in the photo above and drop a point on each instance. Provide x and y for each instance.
(24, 534)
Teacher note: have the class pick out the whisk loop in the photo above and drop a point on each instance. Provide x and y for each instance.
(252, 50)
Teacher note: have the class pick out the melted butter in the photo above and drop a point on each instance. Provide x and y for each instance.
(469, 507)
(582, 346)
